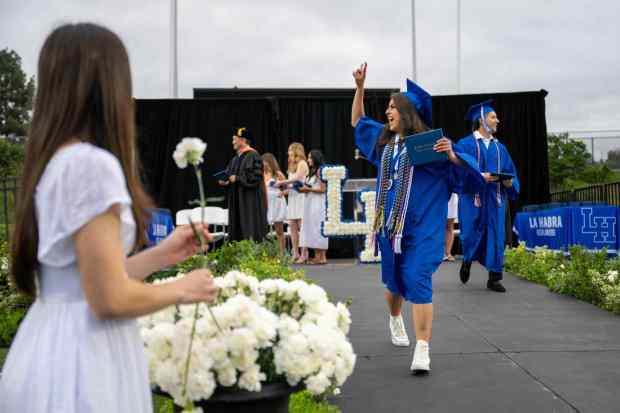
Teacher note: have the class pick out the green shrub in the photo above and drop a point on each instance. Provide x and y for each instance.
(587, 276)
(304, 402)
(576, 279)
(534, 266)
(11, 158)
(13, 306)
(261, 259)
(300, 402)
(9, 323)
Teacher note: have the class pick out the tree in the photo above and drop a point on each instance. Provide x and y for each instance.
(568, 159)
(16, 94)
(570, 165)
(613, 158)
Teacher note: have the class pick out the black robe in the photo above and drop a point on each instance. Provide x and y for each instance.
(247, 208)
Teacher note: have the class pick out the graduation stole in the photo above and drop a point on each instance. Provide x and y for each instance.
(477, 202)
(395, 224)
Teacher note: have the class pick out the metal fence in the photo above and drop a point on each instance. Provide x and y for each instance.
(8, 190)
(604, 193)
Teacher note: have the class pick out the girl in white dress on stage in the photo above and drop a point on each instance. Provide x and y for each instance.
(453, 205)
(297, 173)
(276, 208)
(314, 212)
(80, 211)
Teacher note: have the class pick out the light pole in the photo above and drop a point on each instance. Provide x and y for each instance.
(414, 70)
(458, 47)
(174, 77)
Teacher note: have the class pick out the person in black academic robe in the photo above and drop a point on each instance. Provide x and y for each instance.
(247, 199)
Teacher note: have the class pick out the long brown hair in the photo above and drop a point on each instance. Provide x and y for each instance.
(409, 119)
(299, 154)
(84, 93)
(272, 164)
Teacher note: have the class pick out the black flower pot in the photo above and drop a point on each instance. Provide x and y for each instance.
(273, 398)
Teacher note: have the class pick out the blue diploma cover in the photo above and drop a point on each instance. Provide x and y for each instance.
(503, 176)
(420, 147)
(221, 175)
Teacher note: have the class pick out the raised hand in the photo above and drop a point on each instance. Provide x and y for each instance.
(359, 75)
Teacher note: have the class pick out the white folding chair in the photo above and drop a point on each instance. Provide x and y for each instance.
(215, 217)
(182, 217)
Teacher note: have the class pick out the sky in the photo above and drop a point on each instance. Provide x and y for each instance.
(569, 48)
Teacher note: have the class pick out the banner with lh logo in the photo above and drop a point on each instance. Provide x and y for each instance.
(596, 227)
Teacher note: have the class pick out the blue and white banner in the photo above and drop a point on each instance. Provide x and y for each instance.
(595, 227)
(550, 228)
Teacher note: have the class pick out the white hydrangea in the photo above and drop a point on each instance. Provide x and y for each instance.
(306, 332)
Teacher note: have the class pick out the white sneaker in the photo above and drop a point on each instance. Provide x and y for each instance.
(398, 332)
(421, 363)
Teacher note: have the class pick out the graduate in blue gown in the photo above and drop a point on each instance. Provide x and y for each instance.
(411, 206)
(482, 215)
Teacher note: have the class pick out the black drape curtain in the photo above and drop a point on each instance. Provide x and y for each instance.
(318, 120)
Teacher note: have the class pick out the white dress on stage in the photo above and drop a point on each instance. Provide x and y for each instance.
(453, 206)
(276, 211)
(63, 358)
(314, 215)
(295, 209)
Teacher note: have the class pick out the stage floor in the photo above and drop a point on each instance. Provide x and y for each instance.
(528, 350)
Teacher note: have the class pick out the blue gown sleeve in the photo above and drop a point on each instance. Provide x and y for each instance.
(367, 133)
(509, 167)
(465, 178)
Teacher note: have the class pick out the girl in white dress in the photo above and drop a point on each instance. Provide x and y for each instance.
(453, 205)
(314, 211)
(297, 173)
(80, 211)
(276, 204)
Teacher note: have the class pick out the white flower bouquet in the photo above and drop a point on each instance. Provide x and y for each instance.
(272, 330)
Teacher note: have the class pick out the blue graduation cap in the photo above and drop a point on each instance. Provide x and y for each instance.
(476, 111)
(421, 101)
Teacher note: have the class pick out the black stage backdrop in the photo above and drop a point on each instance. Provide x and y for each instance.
(319, 119)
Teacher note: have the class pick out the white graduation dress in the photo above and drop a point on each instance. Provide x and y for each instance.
(295, 209)
(453, 206)
(314, 215)
(63, 358)
(276, 211)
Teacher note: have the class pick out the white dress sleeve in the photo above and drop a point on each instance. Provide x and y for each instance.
(78, 184)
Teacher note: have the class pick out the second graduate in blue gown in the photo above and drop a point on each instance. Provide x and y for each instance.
(482, 214)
